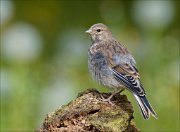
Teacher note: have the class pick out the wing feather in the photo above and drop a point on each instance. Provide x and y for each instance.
(123, 66)
(130, 82)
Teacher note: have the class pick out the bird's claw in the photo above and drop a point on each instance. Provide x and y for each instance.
(106, 99)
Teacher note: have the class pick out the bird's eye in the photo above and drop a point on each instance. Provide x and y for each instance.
(98, 30)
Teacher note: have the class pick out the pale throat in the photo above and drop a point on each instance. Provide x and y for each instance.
(102, 38)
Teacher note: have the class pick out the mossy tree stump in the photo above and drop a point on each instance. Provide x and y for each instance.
(87, 113)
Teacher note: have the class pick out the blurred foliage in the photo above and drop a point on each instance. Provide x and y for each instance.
(44, 56)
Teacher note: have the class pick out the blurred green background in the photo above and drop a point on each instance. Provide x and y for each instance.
(44, 56)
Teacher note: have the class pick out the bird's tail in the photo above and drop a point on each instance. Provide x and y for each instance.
(145, 107)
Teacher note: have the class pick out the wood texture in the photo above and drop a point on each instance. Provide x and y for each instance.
(87, 113)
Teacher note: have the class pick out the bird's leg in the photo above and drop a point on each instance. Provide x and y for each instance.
(109, 98)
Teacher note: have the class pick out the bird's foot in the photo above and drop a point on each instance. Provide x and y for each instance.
(107, 99)
(110, 97)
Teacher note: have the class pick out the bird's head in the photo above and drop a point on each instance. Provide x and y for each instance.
(99, 32)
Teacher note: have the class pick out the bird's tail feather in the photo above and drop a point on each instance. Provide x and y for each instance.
(146, 108)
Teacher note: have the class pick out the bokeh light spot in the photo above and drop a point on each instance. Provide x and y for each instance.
(155, 14)
(6, 11)
(21, 42)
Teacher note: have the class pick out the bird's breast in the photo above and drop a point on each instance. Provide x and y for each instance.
(100, 70)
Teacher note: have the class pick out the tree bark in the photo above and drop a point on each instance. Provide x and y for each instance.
(88, 113)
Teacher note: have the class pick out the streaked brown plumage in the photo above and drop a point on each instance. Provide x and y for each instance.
(113, 66)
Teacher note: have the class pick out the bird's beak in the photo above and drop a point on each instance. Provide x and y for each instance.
(88, 31)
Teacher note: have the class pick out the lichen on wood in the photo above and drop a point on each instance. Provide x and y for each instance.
(88, 113)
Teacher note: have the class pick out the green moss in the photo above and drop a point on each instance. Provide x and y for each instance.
(108, 120)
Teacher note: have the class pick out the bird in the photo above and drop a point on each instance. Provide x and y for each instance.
(113, 66)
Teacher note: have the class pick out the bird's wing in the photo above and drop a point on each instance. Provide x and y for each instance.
(129, 78)
(124, 70)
